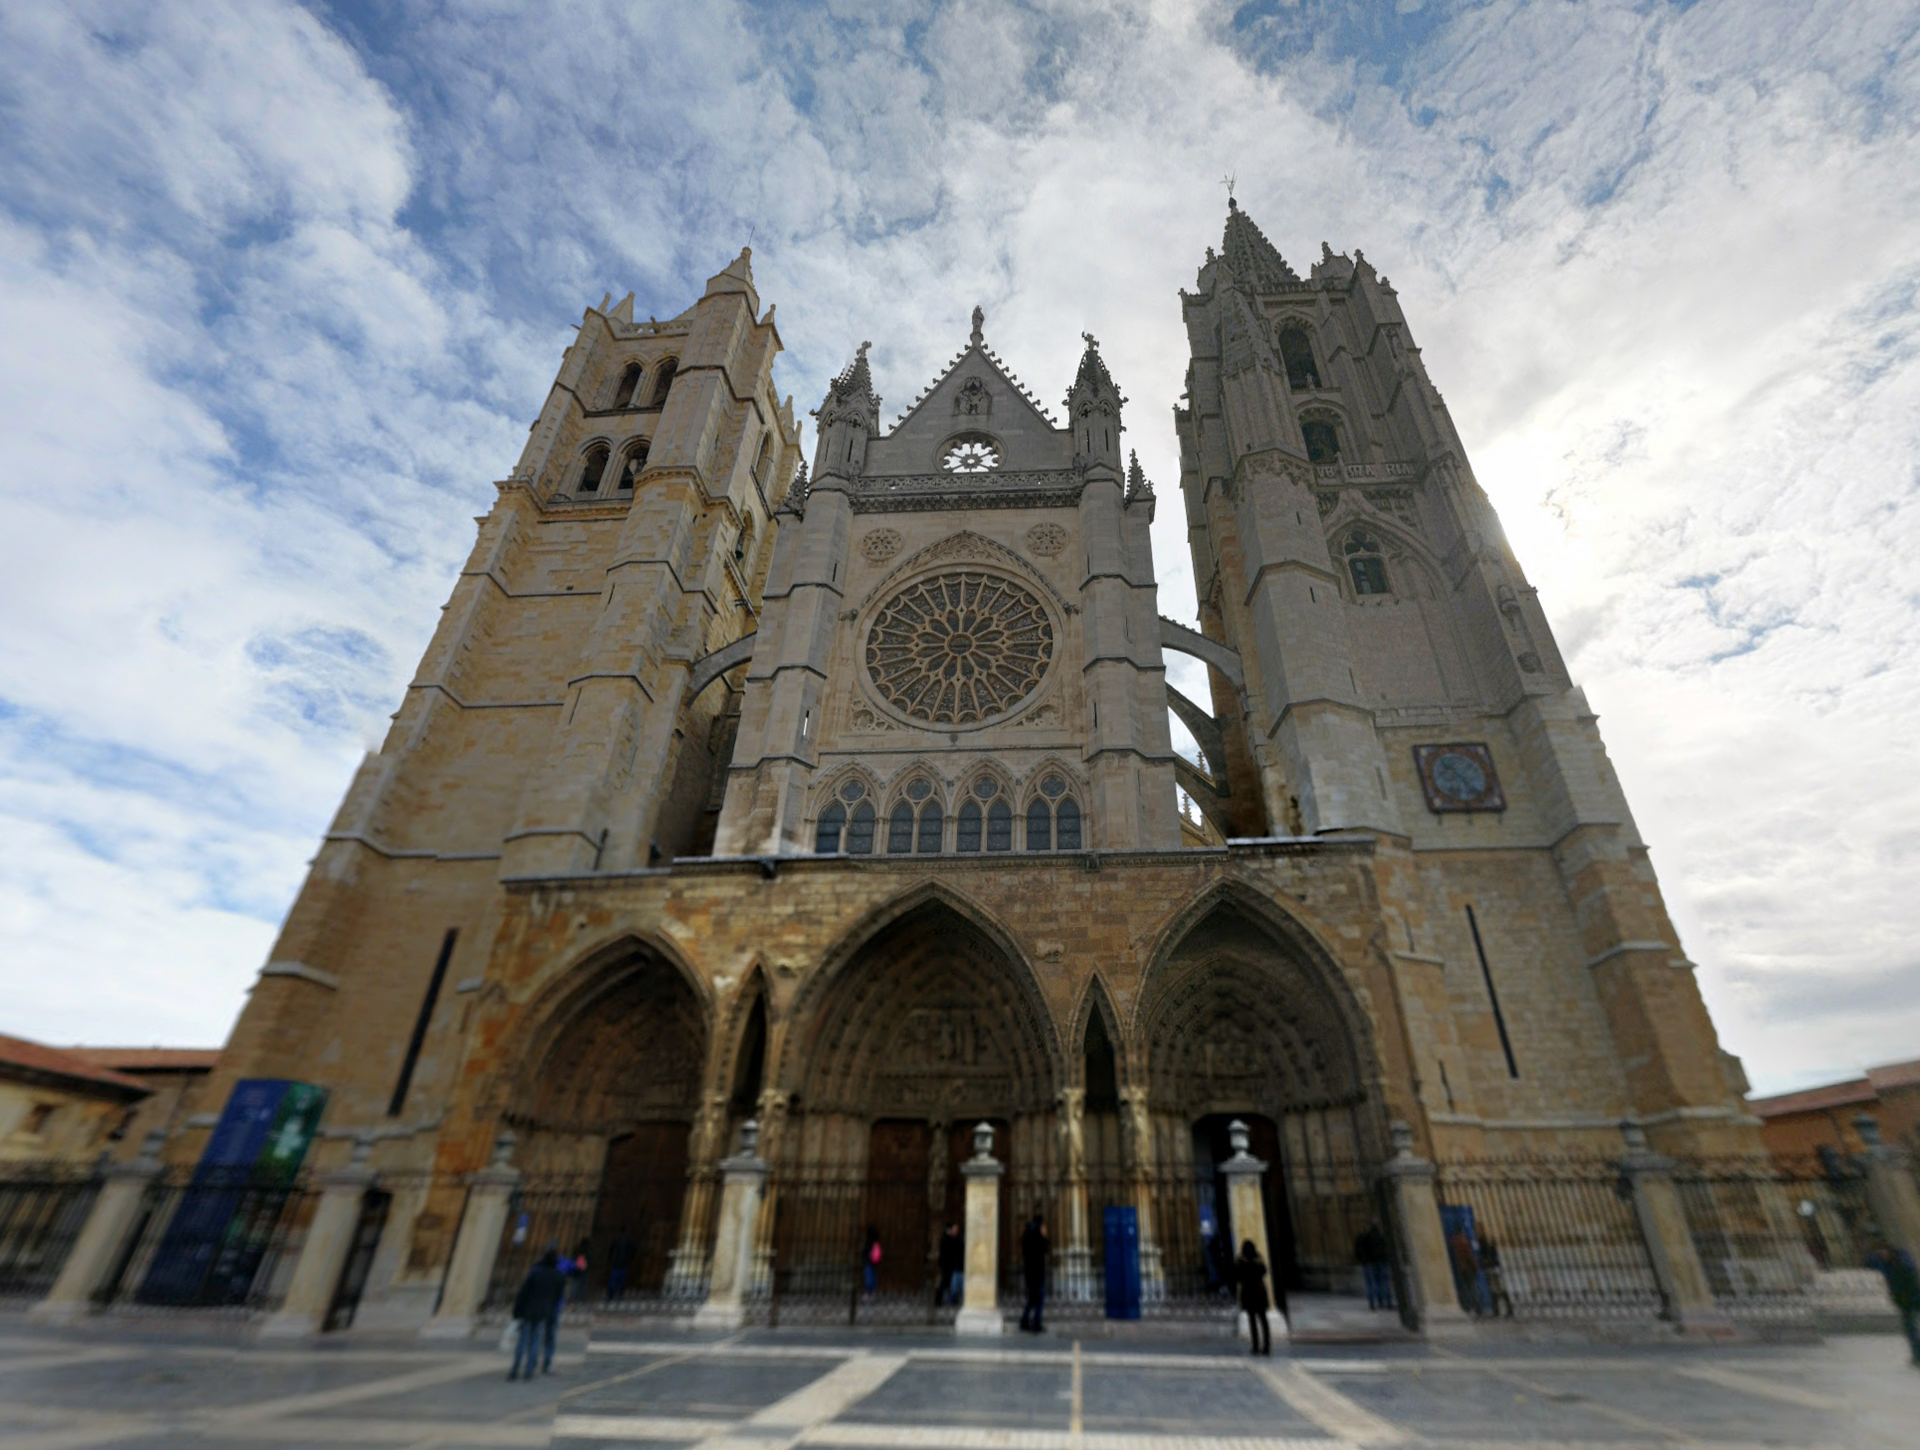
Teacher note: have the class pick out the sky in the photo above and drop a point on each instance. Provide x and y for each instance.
(283, 286)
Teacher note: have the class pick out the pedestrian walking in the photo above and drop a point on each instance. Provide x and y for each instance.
(953, 1257)
(870, 1261)
(1375, 1258)
(1896, 1266)
(577, 1271)
(1496, 1279)
(1034, 1248)
(1250, 1273)
(619, 1261)
(537, 1307)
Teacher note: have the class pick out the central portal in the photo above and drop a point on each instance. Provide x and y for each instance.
(930, 1028)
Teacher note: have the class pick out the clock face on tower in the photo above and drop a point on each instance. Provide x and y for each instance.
(1459, 777)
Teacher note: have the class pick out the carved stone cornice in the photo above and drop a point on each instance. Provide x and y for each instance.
(917, 492)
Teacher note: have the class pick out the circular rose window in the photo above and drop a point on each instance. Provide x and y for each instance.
(959, 649)
(974, 453)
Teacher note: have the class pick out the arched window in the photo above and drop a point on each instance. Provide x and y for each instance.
(743, 542)
(1322, 440)
(761, 461)
(629, 380)
(928, 841)
(663, 382)
(967, 832)
(592, 469)
(1297, 353)
(860, 830)
(999, 827)
(632, 468)
(1067, 837)
(1039, 827)
(900, 830)
(826, 836)
(1366, 564)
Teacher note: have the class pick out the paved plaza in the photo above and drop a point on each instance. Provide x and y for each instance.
(136, 1385)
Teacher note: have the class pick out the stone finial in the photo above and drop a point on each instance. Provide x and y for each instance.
(1400, 1135)
(1239, 1137)
(979, 324)
(503, 1147)
(1636, 1137)
(749, 1138)
(983, 1140)
(1868, 1127)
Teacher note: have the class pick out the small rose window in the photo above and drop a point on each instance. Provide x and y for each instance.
(974, 453)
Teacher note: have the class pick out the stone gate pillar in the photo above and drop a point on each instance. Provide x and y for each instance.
(1890, 1188)
(743, 1179)
(103, 1238)
(980, 1305)
(687, 1265)
(324, 1254)
(1663, 1224)
(1246, 1206)
(477, 1246)
(1422, 1246)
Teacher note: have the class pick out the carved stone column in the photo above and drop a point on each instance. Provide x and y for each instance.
(687, 1264)
(980, 1305)
(1422, 1246)
(1890, 1188)
(324, 1254)
(1076, 1261)
(103, 1239)
(1145, 1171)
(471, 1268)
(772, 1109)
(743, 1177)
(1246, 1207)
(1663, 1225)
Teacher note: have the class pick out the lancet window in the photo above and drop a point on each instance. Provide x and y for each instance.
(984, 819)
(592, 468)
(1296, 351)
(916, 823)
(1322, 438)
(629, 382)
(1367, 563)
(630, 470)
(847, 822)
(663, 382)
(1053, 817)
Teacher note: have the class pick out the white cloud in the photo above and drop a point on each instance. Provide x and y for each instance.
(294, 286)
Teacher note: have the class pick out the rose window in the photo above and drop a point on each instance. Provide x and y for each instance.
(959, 649)
(972, 454)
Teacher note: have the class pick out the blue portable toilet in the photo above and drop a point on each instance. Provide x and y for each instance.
(1123, 1263)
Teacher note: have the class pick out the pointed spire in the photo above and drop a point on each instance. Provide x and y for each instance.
(1137, 484)
(1254, 261)
(855, 383)
(1093, 374)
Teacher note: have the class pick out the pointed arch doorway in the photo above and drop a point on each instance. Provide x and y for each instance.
(931, 1026)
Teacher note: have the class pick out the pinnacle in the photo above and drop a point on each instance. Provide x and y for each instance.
(1093, 375)
(1254, 261)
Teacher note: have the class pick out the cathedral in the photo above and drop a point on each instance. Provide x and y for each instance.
(837, 795)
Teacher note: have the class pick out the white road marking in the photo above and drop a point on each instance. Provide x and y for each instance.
(1340, 1417)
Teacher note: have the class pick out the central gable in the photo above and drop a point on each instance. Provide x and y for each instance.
(976, 397)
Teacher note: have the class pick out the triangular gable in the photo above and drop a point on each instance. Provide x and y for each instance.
(976, 393)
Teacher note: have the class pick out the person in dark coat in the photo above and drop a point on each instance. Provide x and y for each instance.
(1250, 1273)
(1371, 1253)
(619, 1261)
(1896, 1266)
(953, 1258)
(537, 1307)
(1034, 1248)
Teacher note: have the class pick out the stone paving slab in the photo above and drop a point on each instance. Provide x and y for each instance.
(1013, 1396)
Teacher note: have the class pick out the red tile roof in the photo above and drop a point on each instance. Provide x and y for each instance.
(1894, 1074)
(34, 1058)
(151, 1059)
(1832, 1095)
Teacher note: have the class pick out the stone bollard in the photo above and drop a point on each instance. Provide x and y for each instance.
(743, 1179)
(1663, 1225)
(1890, 1188)
(103, 1238)
(471, 1268)
(980, 1303)
(1246, 1208)
(324, 1254)
(1423, 1247)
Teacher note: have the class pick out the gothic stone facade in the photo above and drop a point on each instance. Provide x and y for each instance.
(847, 802)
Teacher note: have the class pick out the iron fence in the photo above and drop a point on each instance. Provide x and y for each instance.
(1746, 1220)
(42, 1208)
(1546, 1239)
